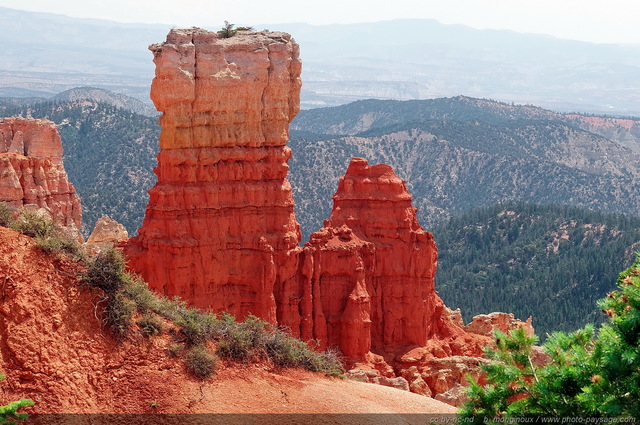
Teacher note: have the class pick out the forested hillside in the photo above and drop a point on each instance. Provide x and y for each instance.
(551, 262)
(456, 154)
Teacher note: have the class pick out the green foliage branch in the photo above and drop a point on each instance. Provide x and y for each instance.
(590, 374)
(9, 413)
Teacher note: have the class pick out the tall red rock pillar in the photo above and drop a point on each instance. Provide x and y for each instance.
(220, 230)
(368, 275)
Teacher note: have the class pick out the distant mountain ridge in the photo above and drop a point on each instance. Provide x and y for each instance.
(400, 59)
(460, 153)
(82, 93)
(100, 95)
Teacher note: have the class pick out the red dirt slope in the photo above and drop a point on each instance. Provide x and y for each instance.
(54, 350)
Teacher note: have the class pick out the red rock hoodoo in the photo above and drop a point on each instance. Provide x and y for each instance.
(31, 170)
(219, 229)
(368, 275)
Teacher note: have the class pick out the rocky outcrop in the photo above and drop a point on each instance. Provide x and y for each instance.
(219, 230)
(32, 172)
(440, 368)
(106, 234)
(487, 324)
(367, 276)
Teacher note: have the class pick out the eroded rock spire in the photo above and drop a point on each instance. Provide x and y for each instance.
(220, 230)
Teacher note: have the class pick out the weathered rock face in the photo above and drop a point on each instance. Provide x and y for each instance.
(487, 324)
(31, 170)
(106, 234)
(367, 276)
(331, 305)
(219, 229)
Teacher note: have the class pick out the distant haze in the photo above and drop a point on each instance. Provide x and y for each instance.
(44, 54)
(614, 21)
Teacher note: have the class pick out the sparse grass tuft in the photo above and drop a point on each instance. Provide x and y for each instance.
(200, 362)
(58, 242)
(119, 314)
(6, 214)
(150, 325)
(33, 223)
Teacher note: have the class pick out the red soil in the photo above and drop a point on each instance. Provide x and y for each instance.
(55, 350)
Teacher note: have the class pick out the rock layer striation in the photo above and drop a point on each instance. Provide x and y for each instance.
(32, 172)
(220, 229)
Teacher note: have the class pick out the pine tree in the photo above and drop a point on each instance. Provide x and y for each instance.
(9, 413)
(588, 375)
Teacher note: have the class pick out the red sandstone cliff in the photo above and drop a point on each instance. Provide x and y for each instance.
(220, 230)
(31, 170)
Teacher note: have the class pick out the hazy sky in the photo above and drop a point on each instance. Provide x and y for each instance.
(611, 21)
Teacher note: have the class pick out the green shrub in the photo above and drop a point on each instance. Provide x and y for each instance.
(137, 289)
(58, 242)
(255, 338)
(9, 413)
(329, 362)
(150, 324)
(287, 351)
(6, 215)
(170, 308)
(173, 350)
(119, 314)
(33, 223)
(196, 326)
(107, 272)
(200, 362)
(241, 340)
